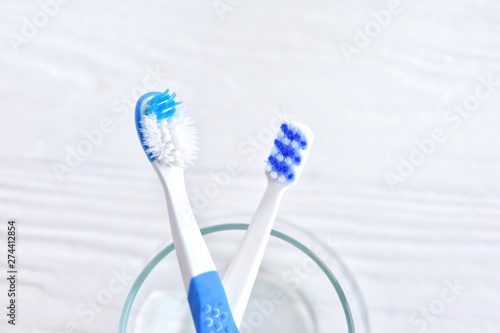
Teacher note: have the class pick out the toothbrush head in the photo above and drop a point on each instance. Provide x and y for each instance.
(167, 134)
(290, 150)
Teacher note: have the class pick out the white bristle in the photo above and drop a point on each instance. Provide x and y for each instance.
(171, 141)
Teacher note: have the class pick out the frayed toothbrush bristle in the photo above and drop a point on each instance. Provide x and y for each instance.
(168, 134)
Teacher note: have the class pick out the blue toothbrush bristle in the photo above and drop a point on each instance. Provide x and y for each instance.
(286, 154)
(163, 105)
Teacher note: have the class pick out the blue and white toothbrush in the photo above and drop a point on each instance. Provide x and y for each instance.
(283, 169)
(169, 139)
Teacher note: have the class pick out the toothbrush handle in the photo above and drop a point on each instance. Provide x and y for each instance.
(209, 305)
(242, 272)
(191, 250)
(207, 298)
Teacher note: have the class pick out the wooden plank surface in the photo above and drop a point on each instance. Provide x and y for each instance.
(406, 246)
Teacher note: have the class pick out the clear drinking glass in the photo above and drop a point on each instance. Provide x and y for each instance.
(302, 286)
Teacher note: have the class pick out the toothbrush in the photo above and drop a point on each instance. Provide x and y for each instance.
(169, 140)
(283, 169)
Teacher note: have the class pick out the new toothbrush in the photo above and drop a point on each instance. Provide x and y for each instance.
(283, 169)
(169, 140)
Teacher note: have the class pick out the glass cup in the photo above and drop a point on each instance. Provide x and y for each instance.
(302, 286)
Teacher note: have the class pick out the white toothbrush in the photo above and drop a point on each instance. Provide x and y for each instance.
(169, 140)
(283, 169)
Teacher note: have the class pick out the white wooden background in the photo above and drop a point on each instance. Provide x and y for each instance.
(235, 75)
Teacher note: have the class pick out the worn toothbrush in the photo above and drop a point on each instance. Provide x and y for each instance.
(283, 168)
(168, 138)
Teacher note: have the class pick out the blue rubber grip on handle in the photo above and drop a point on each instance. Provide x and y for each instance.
(209, 306)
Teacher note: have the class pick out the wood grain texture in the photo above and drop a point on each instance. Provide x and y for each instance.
(237, 76)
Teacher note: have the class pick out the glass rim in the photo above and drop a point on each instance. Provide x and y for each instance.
(141, 278)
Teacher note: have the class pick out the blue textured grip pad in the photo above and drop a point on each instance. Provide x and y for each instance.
(209, 307)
